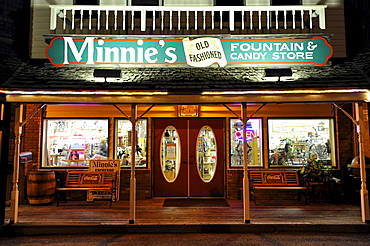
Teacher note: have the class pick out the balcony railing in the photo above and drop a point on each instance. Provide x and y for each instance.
(69, 18)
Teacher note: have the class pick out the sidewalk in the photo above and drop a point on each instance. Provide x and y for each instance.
(152, 217)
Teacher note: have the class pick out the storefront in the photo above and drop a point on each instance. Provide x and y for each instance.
(199, 154)
(190, 150)
(188, 115)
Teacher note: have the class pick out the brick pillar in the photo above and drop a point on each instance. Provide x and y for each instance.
(235, 184)
(347, 141)
(31, 136)
(143, 185)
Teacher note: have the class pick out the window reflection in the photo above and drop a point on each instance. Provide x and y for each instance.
(254, 139)
(124, 145)
(73, 142)
(170, 154)
(294, 141)
(206, 153)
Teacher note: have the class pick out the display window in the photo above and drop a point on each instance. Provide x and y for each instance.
(124, 145)
(73, 142)
(293, 141)
(254, 142)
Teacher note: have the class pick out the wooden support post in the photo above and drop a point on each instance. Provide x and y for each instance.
(17, 146)
(246, 203)
(5, 117)
(365, 210)
(133, 120)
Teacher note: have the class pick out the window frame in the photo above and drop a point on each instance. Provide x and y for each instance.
(44, 148)
(332, 136)
(283, 2)
(157, 3)
(76, 2)
(260, 143)
(115, 144)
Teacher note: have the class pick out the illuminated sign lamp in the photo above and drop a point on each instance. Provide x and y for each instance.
(107, 73)
(277, 73)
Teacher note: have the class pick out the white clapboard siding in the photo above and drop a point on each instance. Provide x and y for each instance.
(334, 22)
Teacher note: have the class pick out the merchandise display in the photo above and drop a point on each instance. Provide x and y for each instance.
(293, 141)
(124, 145)
(74, 142)
(206, 153)
(170, 154)
(254, 141)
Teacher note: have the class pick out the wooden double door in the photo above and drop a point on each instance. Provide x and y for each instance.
(188, 158)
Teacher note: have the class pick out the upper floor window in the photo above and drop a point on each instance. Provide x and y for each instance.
(145, 2)
(281, 16)
(85, 2)
(229, 2)
(285, 2)
(237, 16)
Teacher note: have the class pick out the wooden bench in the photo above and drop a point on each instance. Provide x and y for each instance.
(88, 181)
(275, 180)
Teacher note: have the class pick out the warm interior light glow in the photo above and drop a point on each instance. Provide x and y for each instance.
(285, 92)
(115, 93)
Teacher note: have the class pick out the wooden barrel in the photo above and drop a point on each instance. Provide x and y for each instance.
(41, 187)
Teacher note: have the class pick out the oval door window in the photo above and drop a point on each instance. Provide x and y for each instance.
(206, 154)
(170, 153)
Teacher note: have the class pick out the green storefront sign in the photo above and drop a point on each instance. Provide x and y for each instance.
(198, 52)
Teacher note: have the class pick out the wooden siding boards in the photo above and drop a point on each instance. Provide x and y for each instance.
(336, 24)
(334, 21)
(40, 26)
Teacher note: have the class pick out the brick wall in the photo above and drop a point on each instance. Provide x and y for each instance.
(143, 184)
(234, 184)
(10, 160)
(345, 128)
(31, 140)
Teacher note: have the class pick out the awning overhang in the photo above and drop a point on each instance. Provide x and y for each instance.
(204, 97)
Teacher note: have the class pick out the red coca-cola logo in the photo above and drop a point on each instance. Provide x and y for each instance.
(274, 178)
(87, 178)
